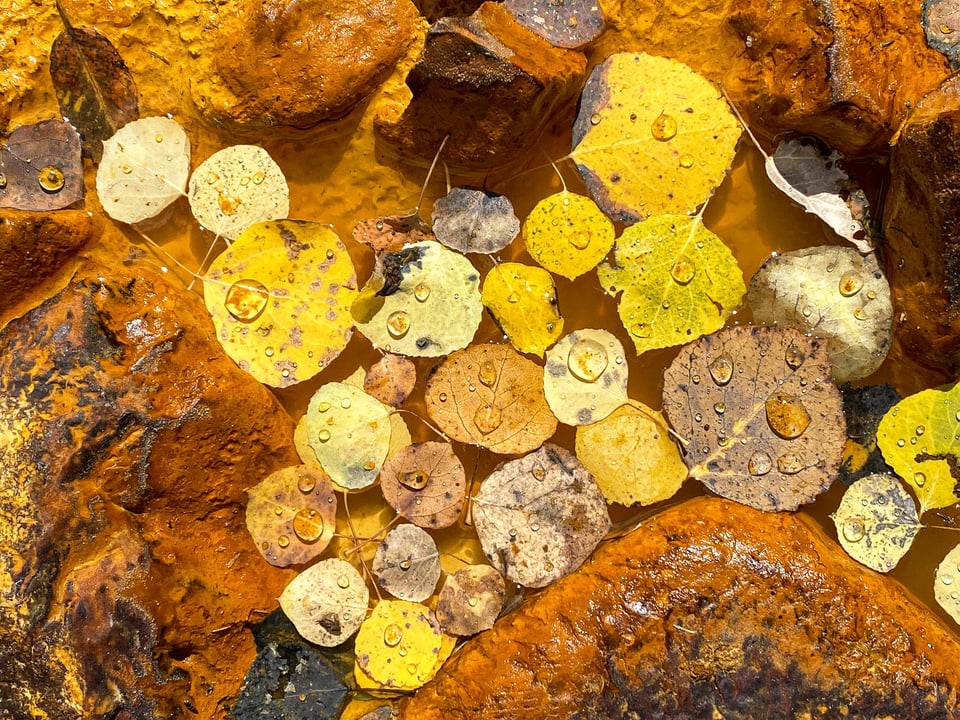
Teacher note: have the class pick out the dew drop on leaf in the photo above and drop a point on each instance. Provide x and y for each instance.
(487, 373)
(850, 285)
(790, 463)
(246, 299)
(308, 525)
(683, 270)
(51, 179)
(398, 324)
(587, 360)
(392, 635)
(786, 415)
(853, 529)
(721, 369)
(793, 357)
(664, 127)
(488, 418)
(759, 463)
(421, 292)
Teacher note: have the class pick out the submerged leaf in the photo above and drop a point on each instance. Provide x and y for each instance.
(407, 563)
(41, 168)
(399, 646)
(327, 602)
(585, 377)
(470, 600)
(426, 484)
(391, 379)
(568, 234)
(945, 583)
(391, 232)
(564, 23)
(523, 301)
(863, 408)
(474, 221)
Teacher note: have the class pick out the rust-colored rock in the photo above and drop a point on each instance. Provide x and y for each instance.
(487, 82)
(709, 610)
(127, 577)
(301, 63)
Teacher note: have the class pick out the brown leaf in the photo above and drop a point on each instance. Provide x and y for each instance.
(95, 90)
(390, 233)
(426, 484)
(491, 396)
(407, 563)
(41, 168)
(391, 379)
(564, 23)
(470, 600)
(764, 421)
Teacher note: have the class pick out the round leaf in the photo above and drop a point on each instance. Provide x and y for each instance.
(470, 600)
(474, 221)
(568, 234)
(407, 563)
(391, 379)
(426, 484)
(523, 301)
(567, 24)
(585, 378)
(327, 602)
(945, 583)
(398, 646)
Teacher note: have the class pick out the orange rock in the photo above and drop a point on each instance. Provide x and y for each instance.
(710, 609)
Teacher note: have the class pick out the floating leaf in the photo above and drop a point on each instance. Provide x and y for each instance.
(407, 563)
(327, 602)
(391, 232)
(424, 302)
(540, 516)
(391, 379)
(237, 187)
(876, 521)
(631, 456)
(291, 515)
(144, 168)
(523, 301)
(426, 484)
(474, 221)
(941, 20)
(491, 396)
(652, 137)
(280, 299)
(678, 281)
(863, 409)
(470, 600)
(564, 23)
(945, 583)
(568, 234)
(764, 423)
(399, 646)
(585, 378)
(918, 439)
(94, 88)
(41, 168)
(834, 293)
(350, 433)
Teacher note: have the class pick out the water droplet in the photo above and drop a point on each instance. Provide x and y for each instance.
(538, 472)
(283, 541)
(860, 313)
(587, 360)
(3, 181)
(258, 177)
(721, 369)
(696, 379)
(472, 602)
(402, 651)
(580, 240)
(421, 292)
(686, 161)
(759, 463)
(698, 417)
(487, 418)
(595, 119)
(126, 169)
(392, 635)
(308, 525)
(370, 465)
(946, 579)
(664, 127)
(787, 415)
(244, 181)
(806, 311)
(794, 357)
(513, 298)
(306, 484)
(512, 533)
(278, 511)
(229, 204)
(246, 299)
(641, 330)
(853, 529)
(719, 408)
(323, 407)
(51, 179)
(471, 387)
(920, 430)
(850, 286)
(790, 463)
(442, 397)
(398, 324)
(901, 442)
(323, 435)
(414, 479)
(488, 373)
(919, 479)
(683, 270)
(343, 582)
(211, 178)
(406, 564)
(268, 351)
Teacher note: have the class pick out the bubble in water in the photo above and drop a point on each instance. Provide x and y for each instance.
(51, 179)
(759, 463)
(850, 286)
(683, 270)
(398, 324)
(246, 299)
(587, 360)
(421, 292)
(308, 525)
(794, 357)
(392, 635)
(414, 479)
(787, 415)
(853, 529)
(721, 369)
(488, 373)
(664, 127)
(487, 418)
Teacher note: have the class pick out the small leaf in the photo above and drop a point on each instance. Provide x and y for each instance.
(941, 20)
(426, 484)
(490, 396)
(678, 281)
(470, 600)
(568, 234)
(876, 521)
(945, 583)
(566, 24)
(863, 408)
(523, 301)
(399, 646)
(144, 168)
(391, 379)
(327, 602)
(41, 168)
(585, 377)
(474, 221)
(540, 516)
(764, 423)
(407, 563)
(391, 232)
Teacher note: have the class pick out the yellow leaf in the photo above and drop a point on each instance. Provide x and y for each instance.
(585, 377)
(944, 584)
(652, 137)
(631, 456)
(567, 234)
(918, 439)
(679, 281)
(523, 300)
(280, 300)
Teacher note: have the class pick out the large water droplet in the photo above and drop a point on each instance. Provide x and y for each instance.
(414, 479)
(853, 529)
(580, 240)
(686, 161)
(406, 564)
(794, 357)
(641, 330)
(392, 635)
(343, 582)
(306, 484)
(786, 415)
(683, 270)
(664, 127)
(246, 299)
(919, 479)
(850, 285)
(51, 179)
(488, 373)
(421, 292)
(587, 360)
(487, 418)
(283, 541)
(229, 204)
(398, 324)
(790, 463)
(308, 525)
(323, 435)
(721, 369)
(759, 463)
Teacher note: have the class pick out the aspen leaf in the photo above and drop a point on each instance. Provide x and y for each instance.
(834, 293)
(918, 439)
(567, 24)
(863, 408)
(677, 281)
(652, 137)
(470, 220)
(424, 302)
(470, 600)
(291, 515)
(41, 167)
(391, 379)
(398, 647)
(144, 168)
(764, 423)
(426, 484)
(349, 432)
(237, 187)
(945, 583)
(407, 563)
(327, 602)
(876, 521)
(399, 432)
(568, 234)
(540, 516)
(940, 20)
(631, 456)
(523, 301)
(585, 377)
(390, 233)
(280, 300)
(491, 396)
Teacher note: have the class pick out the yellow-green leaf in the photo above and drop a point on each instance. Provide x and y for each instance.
(567, 234)
(945, 583)
(678, 281)
(523, 300)
(651, 137)
(585, 377)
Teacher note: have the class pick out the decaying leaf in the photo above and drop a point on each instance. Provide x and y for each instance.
(424, 302)
(677, 281)
(585, 377)
(327, 602)
(41, 168)
(237, 187)
(941, 20)
(876, 521)
(652, 137)
(918, 439)
(540, 516)
(144, 168)
(945, 583)
(280, 299)
(426, 484)
(863, 408)
(391, 232)
(491, 396)
(523, 301)
(391, 379)
(471, 220)
(95, 89)
(568, 234)
(763, 421)
(834, 293)
(349, 432)
(470, 600)
(564, 23)
(631, 456)
(291, 515)
(407, 563)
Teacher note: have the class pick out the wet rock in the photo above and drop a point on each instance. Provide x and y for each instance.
(125, 565)
(301, 62)
(433, 10)
(710, 609)
(487, 82)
